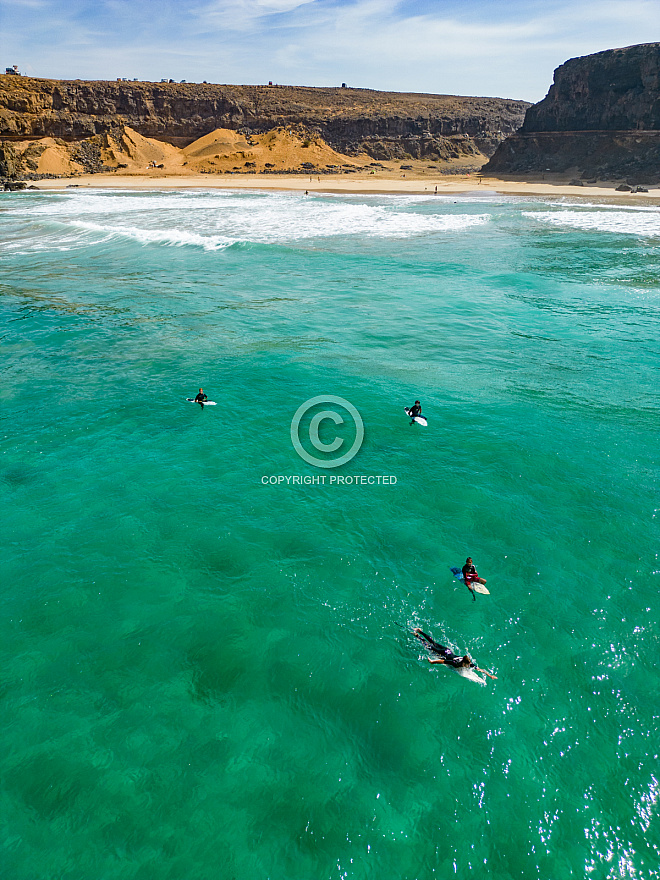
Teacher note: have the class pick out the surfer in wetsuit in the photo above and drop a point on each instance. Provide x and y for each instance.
(446, 656)
(415, 410)
(471, 576)
(201, 397)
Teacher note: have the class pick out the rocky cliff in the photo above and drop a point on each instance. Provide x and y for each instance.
(601, 118)
(386, 125)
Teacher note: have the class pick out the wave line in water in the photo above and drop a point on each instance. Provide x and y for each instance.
(271, 227)
(618, 222)
(174, 237)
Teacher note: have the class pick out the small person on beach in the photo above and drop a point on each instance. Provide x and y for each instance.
(415, 410)
(448, 657)
(201, 397)
(471, 575)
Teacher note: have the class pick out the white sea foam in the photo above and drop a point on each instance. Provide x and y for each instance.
(177, 237)
(429, 198)
(124, 202)
(646, 224)
(279, 221)
(216, 219)
(26, 241)
(601, 206)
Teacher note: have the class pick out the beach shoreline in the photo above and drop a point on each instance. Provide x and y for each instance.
(342, 184)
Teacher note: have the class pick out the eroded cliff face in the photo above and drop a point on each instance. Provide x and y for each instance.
(616, 90)
(387, 125)
(287, 149)
(600, 118)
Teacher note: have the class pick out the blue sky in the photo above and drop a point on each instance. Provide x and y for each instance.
(504, 48)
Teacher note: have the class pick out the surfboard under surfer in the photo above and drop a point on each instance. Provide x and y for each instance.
(445, 655)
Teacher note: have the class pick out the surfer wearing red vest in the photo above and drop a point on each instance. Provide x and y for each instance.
(471, 575)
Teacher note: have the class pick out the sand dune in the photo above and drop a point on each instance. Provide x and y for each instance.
(222, 141)
(280, 149)
(55, 159)
(136, 152)
(48, 156)
(221, 151)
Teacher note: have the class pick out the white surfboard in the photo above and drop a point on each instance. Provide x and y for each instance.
(471, 674)
(421, 420)
(205, 402)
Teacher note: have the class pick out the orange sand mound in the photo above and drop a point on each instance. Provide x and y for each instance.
(290, 148)
(137, 153)
(55, 159)
(51, 156)
(277, 150)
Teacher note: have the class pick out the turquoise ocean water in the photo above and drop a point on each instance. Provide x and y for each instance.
(208, 676)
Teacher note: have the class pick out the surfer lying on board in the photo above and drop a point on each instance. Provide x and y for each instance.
(201, 397)
(415, 410)
(471, 576)
(447, 656)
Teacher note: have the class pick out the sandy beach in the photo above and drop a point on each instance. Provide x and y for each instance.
(411, 184)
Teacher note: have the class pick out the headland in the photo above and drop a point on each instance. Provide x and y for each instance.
(599, 121)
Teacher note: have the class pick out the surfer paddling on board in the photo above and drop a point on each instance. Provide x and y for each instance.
(415, 410)
(201, 397)
(448, 657)
(471, 576)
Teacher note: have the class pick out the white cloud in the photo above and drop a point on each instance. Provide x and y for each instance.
(241, 15)
(371, 44)
(25, 4)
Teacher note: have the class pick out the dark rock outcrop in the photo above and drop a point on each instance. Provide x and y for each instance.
(384, 124)
(600, 118)
(9, 161)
